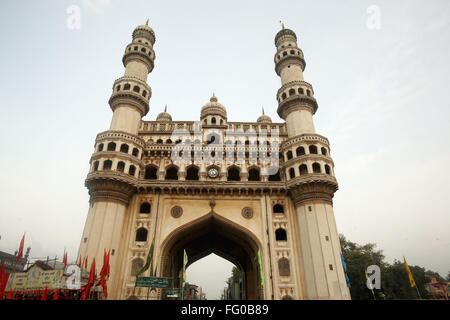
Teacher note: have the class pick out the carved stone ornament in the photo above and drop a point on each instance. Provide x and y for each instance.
(176, 212)
(247, 213)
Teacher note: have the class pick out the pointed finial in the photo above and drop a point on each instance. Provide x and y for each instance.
(146, 23)
(282, 24)
(165, 108)
(263, 110)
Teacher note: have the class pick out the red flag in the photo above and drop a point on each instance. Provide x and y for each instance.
(65, 259)
(38, 294)
(87, 288)
(20, 254)
(103, 273)
(44, 295)
(55, 295)
(10, 295)
(79, 262)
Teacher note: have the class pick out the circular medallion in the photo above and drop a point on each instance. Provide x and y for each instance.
(247, 213)
(213, 173)
(176, 212)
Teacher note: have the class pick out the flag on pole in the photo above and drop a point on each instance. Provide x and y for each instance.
(185, 261)
(65, 259)
(260, 267)
(344, 265)
(87, 288)
(20, 254)
(103, 274)
(55, 295)
(149, 261)
(411, 279)
(44, 295)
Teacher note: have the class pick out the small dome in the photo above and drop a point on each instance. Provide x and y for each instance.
(264, 118)
(144, 31)
(213, 107)
(164, 116)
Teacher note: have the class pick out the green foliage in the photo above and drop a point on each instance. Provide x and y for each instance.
(394, 277)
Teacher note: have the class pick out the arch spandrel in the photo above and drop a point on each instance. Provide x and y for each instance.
(194, 211)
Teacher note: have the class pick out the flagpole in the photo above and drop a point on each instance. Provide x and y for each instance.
(420, 297)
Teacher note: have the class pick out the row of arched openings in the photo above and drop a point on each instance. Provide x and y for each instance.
(192, 173)
(303, 169)
(112, 146)
(107, 165)
(300, 151)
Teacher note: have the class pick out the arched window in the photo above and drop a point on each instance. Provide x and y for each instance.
(100, 147)
(192, 173)
(159, 141)
(143, 50)
(132, 170)
(275, 177)
(284, 268)
(107, 165)
(141, 234)
(172, 173)
(127, 86)
(136, 89)
(316, 167)
(151, 173)
(96, 163)
(291, 92)
(118, 88)
(136, 266)
(308, 93)
(303, 169)
(213, 120)
(124, 148)
(121, 166)
(280, 234)
(144, 93)
(233, 174)
(289, 155)
(283, 96)
(278, 208)
(300, 151)
(169, 141)
(324, 151)
(312, 149)
(135, 152)
(145, 208)
(253, 175)
(327, 169)
(111, 146)
(301, 91)
(291, 173)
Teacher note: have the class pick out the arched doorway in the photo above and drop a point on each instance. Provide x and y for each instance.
(213, 234)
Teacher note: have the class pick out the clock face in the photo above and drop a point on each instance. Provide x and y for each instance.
(213, 173)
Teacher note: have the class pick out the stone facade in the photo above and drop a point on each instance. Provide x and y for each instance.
(203, 187)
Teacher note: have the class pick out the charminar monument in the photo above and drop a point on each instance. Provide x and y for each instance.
(215, 186)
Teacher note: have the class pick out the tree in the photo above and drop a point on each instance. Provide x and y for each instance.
(357, 259)
(394, 277)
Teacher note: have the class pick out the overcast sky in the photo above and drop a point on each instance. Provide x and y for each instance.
(382, 86)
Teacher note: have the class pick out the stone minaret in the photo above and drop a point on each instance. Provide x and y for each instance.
(310, 177)
(116, 162)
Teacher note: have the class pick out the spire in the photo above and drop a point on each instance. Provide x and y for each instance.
(282, 25)
(165, 108)
(146, 23)
(263, 110)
